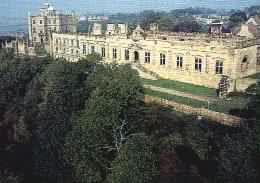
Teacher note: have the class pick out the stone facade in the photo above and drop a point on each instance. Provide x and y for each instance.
(49, 20)
(199, 59)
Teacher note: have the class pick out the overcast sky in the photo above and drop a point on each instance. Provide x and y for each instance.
(15, 8)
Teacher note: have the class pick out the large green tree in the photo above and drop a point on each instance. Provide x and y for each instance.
(63, 93)
(99, 131)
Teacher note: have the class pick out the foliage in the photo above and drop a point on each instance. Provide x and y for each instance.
(237, 18)
(239, 148)
(136, 161)
(99, 131)
(63, 93)
(86, 122)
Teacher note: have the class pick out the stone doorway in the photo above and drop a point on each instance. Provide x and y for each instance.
(136, 56)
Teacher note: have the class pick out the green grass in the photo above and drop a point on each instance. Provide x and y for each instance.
(183, 87)
(222, 106)
(255, 76)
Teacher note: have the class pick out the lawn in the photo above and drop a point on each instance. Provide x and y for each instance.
(221, 105)
(183, 87)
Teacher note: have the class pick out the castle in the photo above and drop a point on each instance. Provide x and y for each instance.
(201, 59)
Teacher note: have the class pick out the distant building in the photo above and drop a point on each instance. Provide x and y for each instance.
(207, 20)
(47, 21)
(251, 28)
(96, 18)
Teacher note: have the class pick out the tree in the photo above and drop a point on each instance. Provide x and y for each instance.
(235, 158)
(237, 18)
(135, 163)
(99, 131)
(148, 17)
(63, 93)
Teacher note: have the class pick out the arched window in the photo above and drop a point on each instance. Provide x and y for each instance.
(244, 64)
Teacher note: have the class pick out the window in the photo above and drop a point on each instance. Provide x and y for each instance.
(92, 49)
(179, 62)
(54, 21)
(34, 39)
(40, 21)
(33, 21)
(57, 49)
(147, 57)
(162, 59)
(127, 54)
(41, 32)
(84, 49)
(114, 53)
(54, 29)
(198, 64)
(78, 43)
(72, 51)
(72, 42)
(57, 41)
(244, 64)
(103, 52)
(34, 30)
(219, 67)
(49, 21)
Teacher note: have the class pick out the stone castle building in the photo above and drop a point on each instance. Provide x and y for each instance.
(49, 20)
(196, 58)
(200, 59)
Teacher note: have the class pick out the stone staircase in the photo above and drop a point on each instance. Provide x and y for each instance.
(145, 73)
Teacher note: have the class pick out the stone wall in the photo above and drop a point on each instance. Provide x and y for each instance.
(215, 116)
(231, 51)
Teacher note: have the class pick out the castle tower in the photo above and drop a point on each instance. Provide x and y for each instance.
(122, 29)
(111, 29)
(154, 27)
(97, 29)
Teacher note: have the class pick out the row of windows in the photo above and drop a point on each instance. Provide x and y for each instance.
(54, 21)
(179, 59)
(40, 21)
(34, 21)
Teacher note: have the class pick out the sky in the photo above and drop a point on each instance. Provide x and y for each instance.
(15, 11)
